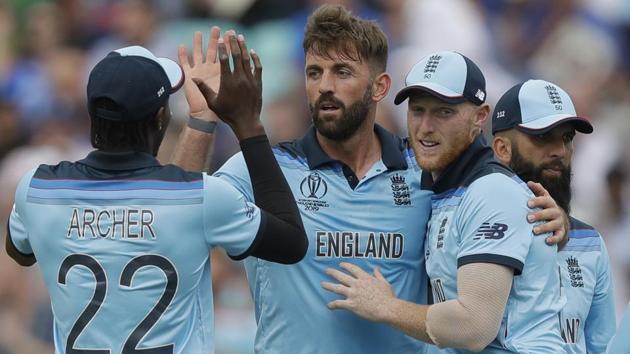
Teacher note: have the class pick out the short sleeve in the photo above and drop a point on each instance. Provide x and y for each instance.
(235, 172)
(16, 228)
(600, 323)
(492, 223)
(230, 220)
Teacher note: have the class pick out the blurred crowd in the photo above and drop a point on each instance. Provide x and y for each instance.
(47, 49)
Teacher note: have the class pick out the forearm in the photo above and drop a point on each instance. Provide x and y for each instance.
(472, 320)
(273, 195)
(193, 150)
(408, 318)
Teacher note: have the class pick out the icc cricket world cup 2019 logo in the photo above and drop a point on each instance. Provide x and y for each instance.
(313, 186)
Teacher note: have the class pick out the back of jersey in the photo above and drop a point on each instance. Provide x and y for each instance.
(124, 254)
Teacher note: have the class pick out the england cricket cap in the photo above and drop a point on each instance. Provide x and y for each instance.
(449, 76)
(136, 80)
(535, 107)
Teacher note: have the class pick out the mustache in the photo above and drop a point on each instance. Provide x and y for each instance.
(328, 98)
(554, 164)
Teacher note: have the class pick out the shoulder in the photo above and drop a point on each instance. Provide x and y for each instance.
(290, 154)
(498, 185)
(583, 237)
(175, 174)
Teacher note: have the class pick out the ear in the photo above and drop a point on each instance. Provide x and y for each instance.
(481, 116)
(502, 146)
(160, 118)
(380, 86)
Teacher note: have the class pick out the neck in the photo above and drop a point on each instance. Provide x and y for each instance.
(359, 152)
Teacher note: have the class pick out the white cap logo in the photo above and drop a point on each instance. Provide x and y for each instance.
(160, 91)
(480, 95)
(501, 114)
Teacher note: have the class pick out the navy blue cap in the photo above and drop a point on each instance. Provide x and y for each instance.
(449, 76)
(535, 107)
(136, 80)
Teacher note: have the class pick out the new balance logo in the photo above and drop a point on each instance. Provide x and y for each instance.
(432, 63)
(495, 231)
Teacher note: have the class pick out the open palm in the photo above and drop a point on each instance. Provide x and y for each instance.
(206, 69)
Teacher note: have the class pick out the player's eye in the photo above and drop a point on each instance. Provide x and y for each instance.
(445, 112)
(344, 73)
(313, 74)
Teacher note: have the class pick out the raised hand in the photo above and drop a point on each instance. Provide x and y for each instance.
(239, 98)
(206, 69)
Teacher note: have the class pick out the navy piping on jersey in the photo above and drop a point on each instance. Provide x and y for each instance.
(492, 258)
(119, 161)
(25, 255)
(392, 152)
(101, 165)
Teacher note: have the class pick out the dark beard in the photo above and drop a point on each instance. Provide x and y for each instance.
(559, 188)
(351, 118)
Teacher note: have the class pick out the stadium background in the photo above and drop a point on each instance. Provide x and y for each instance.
(47, 49)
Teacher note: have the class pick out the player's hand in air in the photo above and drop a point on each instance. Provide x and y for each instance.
(206, 69)
(239, 99)
(556, 219)
(365, 294)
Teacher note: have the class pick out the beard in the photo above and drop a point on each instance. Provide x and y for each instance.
(452, 148)
(558, 187)
(351, 118)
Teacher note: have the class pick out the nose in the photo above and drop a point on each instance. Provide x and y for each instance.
(326, 83)
(558, 149)
(425, 124)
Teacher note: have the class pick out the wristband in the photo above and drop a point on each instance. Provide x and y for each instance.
(202, 125)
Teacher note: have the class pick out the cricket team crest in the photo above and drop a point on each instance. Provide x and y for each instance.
(575, 272)
(400, 190)
(431, 65)
(554, 97)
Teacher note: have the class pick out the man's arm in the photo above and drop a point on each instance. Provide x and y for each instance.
(22, 259)
(196, 140)
(17, 243)
(238, 103)
(471, 321)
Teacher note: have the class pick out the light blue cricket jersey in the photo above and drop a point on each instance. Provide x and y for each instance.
(588, 318)
(122, 243)
(620, 343)
(377, 221)
(479, 216)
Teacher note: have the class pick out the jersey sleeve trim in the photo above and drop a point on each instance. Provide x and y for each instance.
(492, 258)
(23, 259)
(252, 247)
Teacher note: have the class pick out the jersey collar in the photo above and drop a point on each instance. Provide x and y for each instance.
(392, 150)
(477, 155)
(119, 161)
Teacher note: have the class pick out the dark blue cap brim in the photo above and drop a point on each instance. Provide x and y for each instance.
(407, 91)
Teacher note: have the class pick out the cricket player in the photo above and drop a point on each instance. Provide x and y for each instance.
(357, 187)
(495, 287)
(123, 241)
(534, 124)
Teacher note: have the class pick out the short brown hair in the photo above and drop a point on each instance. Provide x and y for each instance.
(334, 27)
